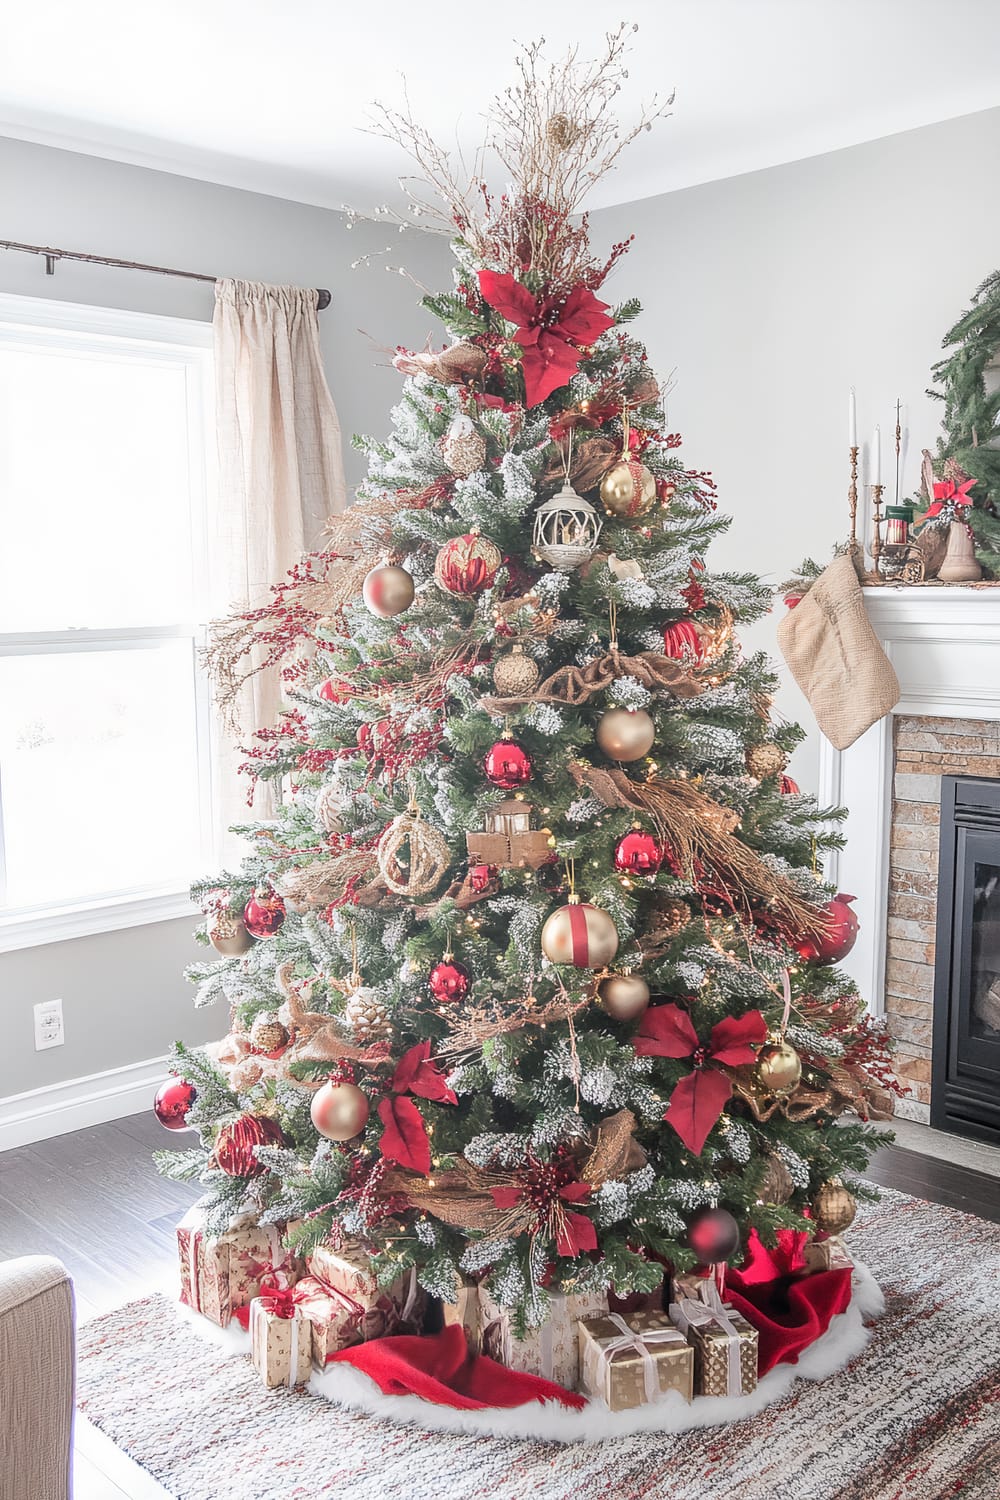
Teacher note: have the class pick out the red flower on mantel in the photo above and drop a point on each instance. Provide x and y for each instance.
(550, 332)
(404, 1134)
(947, 492)
(698, 1100)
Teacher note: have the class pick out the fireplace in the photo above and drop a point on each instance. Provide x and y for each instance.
(965, 1077)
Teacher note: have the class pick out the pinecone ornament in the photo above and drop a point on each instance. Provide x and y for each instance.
(367, 1016)
(267, 1033)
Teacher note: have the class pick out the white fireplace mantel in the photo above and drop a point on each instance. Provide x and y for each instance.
(944, 643)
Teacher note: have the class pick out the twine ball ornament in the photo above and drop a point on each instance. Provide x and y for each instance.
(779, 1067)
(467, 564)
(427, 862)
(235, 1145)
(172, 1103)
(516, 674)
(834, 1207)
(367, 1016)
(625, 734)
(623, 996)
(339, 1111)
(464, 448)
(387, 591)
(566, 530)
(581, 935)
(628, 489)
(245, 1074)
(267, 1033)
(228, 935)
(561, 132)
(765, 760)
(777, 1186)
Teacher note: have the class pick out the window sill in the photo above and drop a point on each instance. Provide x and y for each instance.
(59, 924)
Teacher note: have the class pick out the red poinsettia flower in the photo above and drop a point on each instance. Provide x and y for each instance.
(698, 1100)
(545, 1188)
(957, 494)
(551, 332)
(404, 1134)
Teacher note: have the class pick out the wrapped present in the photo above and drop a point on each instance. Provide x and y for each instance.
(634, 1361)
(221, 1274)
(280, 1339)
(364, 1310)
(467, 1310)
(691, 1284)
(829, 1254)
(724, 1343)
(553, 1350)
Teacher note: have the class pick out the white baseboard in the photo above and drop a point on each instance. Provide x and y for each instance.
(78, 1102)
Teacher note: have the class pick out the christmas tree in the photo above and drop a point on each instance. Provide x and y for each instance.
(532, 974)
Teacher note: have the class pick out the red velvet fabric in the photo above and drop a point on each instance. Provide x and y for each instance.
(789, 1310)
(439, 1367)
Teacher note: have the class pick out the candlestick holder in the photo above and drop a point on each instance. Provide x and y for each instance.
(852, 501)
(877, 492)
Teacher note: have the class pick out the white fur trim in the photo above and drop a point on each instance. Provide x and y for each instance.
(843, 1341)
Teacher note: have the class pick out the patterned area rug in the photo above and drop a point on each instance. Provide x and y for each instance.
(915, 1416)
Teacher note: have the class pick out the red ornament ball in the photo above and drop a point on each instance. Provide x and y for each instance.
(480, 876)
(789, 787)
(714, 1236)
(508, 764)
(467, 564)
(173, 1100)
(682, 641)
(263, 913)
(638, 853)
(839, 938)
(234, 1145)
(449, 981)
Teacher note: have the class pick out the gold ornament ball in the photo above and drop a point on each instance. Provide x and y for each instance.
(834, 1207)
(766, 760)
(623, 996)
(628, 489)
(625, 733)
(267, 1033)
(464, 450)
(777, 1186)
(228, 936)
(387, 591)
(581, 935)
(779, 1067)
(515, 674)
(339, 1111)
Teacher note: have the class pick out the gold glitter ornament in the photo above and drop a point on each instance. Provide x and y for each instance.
(227, 934)
(464, 448)
(834, 1207)
(267, 1033)
(765, 760)
(516, 674)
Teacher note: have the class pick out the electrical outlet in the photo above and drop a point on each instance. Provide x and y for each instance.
(48, 1025)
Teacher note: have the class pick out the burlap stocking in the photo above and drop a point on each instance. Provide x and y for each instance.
(836, 658)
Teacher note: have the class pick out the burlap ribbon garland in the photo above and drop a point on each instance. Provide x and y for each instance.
(576, 685)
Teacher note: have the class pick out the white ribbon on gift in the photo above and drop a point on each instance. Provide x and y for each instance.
(639, 1339)
(690, 1314)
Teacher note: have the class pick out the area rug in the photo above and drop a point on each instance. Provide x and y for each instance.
(914, 1416)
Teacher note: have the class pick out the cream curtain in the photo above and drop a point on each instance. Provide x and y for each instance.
(280, 476)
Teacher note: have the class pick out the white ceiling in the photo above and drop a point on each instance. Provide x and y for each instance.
(273, 96)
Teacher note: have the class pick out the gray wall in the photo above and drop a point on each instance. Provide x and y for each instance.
(770, 295)
(124, 998)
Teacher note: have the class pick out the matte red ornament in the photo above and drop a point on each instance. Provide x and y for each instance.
(449, 981)
(173, 1100)
(638, 853)
(263, 913)
(480, 876)
(788, 786)
(508, 764)
(714, 1236)
(234, 1145)
(839, 938)
(682, 641)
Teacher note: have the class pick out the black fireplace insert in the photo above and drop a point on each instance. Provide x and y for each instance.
(965, 1070)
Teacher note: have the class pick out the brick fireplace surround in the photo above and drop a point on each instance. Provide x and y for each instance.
(926, 748)
(944, 643)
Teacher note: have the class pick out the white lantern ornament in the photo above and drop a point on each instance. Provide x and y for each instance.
(566, 531)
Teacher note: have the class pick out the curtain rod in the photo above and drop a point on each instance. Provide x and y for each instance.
(52, 255)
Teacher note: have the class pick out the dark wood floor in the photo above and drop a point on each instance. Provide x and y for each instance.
(95, 1200)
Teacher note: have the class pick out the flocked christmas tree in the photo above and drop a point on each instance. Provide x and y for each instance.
(532, 972)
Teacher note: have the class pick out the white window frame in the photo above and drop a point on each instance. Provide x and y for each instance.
(159, 338)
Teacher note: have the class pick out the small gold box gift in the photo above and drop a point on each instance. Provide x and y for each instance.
(634, 1360)
(724, 1344)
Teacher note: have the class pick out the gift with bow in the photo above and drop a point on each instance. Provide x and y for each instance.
(220, 1274)
(724, 1343)
(280, 1338)
(635, 1362)
(552, 1350)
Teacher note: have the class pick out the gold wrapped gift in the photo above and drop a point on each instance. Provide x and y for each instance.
(830, 1254)
(551, 1351)
(634, 1361)
(724, 1344)
(280, 1342)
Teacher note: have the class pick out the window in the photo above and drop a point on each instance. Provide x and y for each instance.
(105, 783)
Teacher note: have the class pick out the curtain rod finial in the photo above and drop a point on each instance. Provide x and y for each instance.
(323, 298)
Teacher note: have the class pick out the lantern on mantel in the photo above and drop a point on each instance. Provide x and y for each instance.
(566, 530)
